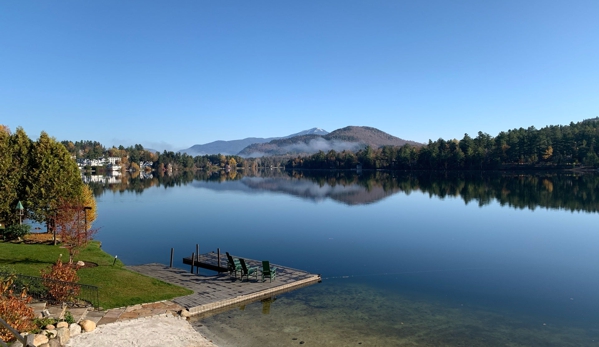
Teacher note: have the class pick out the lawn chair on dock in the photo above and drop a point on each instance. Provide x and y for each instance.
(268, 271)
(247, 272)
(233, 265)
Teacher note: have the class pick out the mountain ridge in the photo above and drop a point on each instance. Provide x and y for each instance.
(350, 138)
(232, 147)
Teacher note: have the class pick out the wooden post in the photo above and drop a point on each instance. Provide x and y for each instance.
(172, 253)
(218, 257)
(193, 258)
(198, 255)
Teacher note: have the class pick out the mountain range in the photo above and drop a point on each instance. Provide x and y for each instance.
(305, 142)
(233, 147)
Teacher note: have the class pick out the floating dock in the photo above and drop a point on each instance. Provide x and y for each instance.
(213, 293)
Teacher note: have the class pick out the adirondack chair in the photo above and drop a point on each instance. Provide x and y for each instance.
(233, 265)
(247, 272)
(268, 271)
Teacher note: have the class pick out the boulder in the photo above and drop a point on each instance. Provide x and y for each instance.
(50, 327)
(87, 325)
(62, 325)
(50, 333)
(40, 339)
(63, 335)
(74, 329)
(54, 343)
(44, 345)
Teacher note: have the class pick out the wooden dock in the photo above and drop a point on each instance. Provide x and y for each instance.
(215, 293)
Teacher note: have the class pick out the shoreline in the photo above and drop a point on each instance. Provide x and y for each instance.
(152, 331)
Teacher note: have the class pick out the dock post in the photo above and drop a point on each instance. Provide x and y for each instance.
(218, 256)
(198, 255)
(172, 253)
(193, 258)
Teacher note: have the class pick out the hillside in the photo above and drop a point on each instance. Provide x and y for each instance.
(372, 137)
(350, 138)
(235, 146)
(224, 147)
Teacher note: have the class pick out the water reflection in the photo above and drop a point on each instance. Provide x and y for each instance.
(568, 191)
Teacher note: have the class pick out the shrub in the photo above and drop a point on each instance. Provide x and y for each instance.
(68, 317)
(61, 280)
(13, 232)
(14, 309)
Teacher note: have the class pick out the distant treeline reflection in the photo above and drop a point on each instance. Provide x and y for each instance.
(572, 192)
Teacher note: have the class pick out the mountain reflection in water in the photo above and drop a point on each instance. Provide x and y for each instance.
(568, 191)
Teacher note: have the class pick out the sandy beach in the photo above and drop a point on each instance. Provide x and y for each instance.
(163, 330)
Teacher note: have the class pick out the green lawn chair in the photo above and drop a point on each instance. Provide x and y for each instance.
(247, 272)
(233, 265)
(268, 271)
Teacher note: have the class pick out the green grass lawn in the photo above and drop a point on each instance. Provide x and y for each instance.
(118, 286)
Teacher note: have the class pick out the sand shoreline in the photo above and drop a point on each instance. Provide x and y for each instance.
(153, 331)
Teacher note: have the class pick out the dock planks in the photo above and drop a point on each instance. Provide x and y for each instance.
(216, 292)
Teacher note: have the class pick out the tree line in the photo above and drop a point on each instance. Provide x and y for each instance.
(40, 174)
(167, 160)
(553, 146)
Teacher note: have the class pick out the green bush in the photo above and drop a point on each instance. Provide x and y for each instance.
(68, 317)
(15, 231)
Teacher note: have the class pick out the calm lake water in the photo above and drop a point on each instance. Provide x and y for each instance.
(406, 260)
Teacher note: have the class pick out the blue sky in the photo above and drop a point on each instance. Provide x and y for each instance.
(174, 74)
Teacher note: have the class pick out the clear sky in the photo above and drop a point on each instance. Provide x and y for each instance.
(171, 74)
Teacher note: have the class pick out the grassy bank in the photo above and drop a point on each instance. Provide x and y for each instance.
(118, 286)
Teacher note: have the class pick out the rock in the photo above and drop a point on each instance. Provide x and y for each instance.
(54, 343)
(80, 263)
(50, 333)
(50, 327)
(39, 339)
(63, 335)
(74, 329)
(44, 345)
(45, 313)
(87, 325)
(62, 325)
(17, 344)
(185, 313)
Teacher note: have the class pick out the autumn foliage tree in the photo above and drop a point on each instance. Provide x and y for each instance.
(73, 222)
(71, 226)
(14, 309)
(61, 281)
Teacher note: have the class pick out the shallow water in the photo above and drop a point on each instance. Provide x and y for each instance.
(346, 313)
(416, 261)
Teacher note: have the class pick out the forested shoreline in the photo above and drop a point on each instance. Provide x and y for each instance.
(552, 147)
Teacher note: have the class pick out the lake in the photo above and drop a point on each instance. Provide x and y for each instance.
(421, 259)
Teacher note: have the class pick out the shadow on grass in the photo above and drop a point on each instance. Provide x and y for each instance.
(25, 261)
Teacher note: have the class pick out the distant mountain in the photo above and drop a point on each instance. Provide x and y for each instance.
(224, 147)
(313, 131)
(235, 146)
(349, 138)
